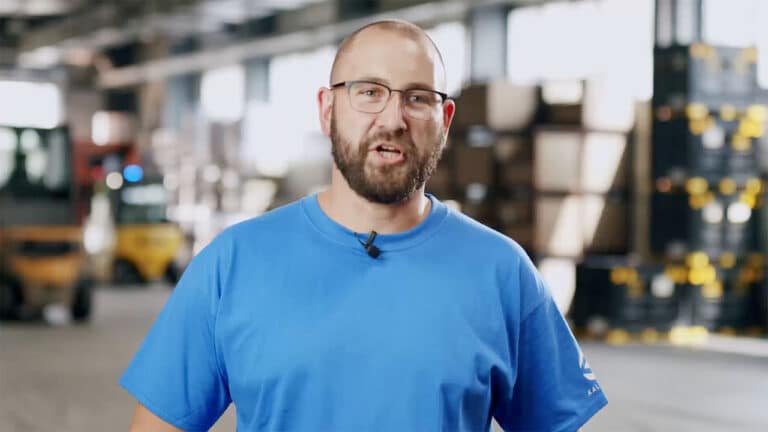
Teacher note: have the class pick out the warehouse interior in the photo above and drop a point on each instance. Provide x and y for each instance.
(621, 143)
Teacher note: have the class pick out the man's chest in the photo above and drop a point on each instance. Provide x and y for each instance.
(333, 337)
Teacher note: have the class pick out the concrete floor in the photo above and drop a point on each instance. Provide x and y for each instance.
(64, 379)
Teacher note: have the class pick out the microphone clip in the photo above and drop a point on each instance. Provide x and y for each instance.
(372, 250)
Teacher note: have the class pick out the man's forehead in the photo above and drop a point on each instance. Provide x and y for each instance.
(377, 52)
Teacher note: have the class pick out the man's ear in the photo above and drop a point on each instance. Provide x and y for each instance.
(325, 109)
(449, 108)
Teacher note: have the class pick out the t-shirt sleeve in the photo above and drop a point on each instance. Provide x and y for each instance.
(176, 373)
(554, 388)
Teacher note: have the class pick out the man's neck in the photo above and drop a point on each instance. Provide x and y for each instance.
(354, 212)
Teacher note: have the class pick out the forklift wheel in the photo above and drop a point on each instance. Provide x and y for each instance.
(11, 298)
(126, 273)
(172, 274)
(83, 301)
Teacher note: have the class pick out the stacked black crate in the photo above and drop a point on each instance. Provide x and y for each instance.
(708, 186)
(618, 296)
(759, 302)
(489, 157)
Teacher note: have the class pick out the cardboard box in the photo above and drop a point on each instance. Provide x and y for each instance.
(513, 148)
(572, 225)
(516, 175)
(562, 102)
(473, 165)
(499, 105)
(606, 223)
(512, 213)
(558, 226)
(574, 161)
(522, 234)
(479, 211)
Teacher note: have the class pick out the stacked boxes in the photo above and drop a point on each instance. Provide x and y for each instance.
(487, 166)
(581, 179)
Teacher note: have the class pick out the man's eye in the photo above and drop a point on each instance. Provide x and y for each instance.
(420, 98)
(370, 92)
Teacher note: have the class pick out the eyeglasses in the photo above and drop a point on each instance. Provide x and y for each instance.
(372, 97)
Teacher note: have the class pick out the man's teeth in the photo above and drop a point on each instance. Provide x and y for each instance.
(388, 154)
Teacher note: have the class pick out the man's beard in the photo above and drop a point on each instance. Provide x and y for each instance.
(385, 184)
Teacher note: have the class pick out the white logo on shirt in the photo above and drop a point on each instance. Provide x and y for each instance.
(585, 369)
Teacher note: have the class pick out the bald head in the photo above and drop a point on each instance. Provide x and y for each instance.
(379, 29)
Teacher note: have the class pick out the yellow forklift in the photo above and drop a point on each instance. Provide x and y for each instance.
(42, 259)
(149, 246)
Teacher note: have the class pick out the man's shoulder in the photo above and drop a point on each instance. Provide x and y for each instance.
(279, 217)
(261, 229)
(473, 234)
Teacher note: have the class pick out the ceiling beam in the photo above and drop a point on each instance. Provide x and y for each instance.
(101, 24)
(314, 26)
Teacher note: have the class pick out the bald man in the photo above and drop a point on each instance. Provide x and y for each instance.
(370, 306)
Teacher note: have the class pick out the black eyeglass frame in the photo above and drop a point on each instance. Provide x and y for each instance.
(443, 96)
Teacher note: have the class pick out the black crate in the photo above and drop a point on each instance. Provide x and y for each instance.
(613, 290)
(704, 74)
(677, 228)
(696, 293)
(759, 305)
(711, 223)
(727, 302)
(759, 225)
(707, 147)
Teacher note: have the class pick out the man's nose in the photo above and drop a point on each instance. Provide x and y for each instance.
(393, 117)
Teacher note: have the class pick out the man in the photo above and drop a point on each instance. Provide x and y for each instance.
(369, 306)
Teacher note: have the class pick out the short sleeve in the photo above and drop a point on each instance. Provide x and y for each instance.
(554, 389)
(176, 374)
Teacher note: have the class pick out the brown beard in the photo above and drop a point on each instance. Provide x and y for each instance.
(385, 184)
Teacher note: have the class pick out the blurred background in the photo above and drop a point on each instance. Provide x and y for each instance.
(621, 142)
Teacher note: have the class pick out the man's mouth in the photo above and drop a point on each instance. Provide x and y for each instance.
(388, 151)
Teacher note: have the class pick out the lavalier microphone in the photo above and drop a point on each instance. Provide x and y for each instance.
(372, 250)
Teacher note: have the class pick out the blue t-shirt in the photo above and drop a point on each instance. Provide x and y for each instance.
(288, 317)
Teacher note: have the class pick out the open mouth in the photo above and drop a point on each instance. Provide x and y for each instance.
(387, 151)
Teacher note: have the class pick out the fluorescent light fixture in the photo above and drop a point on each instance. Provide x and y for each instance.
(30, 104)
